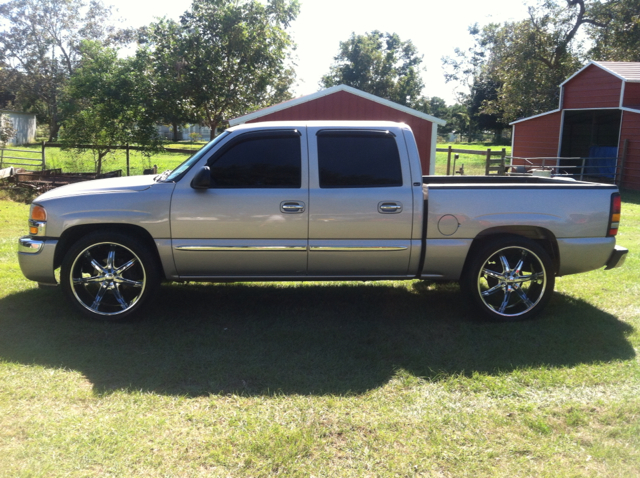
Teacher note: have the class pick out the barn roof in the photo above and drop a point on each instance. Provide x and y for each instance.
(534, 116)
(329, 91)
(625, 70)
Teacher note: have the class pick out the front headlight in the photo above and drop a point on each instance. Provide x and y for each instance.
(37, 220)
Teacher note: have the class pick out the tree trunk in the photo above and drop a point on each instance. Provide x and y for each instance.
(101, 155)
(174, 126)
(213, 124)
(54, 128)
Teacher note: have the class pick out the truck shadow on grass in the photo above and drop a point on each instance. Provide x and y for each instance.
(299, 339)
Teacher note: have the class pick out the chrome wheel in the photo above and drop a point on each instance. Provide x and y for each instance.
(511, 278)
(107, 278)
(512, 281)
(109, 275)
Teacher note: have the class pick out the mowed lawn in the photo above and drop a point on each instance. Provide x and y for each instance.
(473, 164)
(70, 161)
(321, 379)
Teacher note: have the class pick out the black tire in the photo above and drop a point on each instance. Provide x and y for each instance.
(509, 279)
(109, 276)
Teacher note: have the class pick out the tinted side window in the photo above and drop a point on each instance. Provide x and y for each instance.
(358, 160)
(259, 162)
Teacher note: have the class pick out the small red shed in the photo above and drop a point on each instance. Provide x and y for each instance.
(598, 115)
(344, 103)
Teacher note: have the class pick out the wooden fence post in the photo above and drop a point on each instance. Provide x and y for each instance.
(44, 156)
(127, 149)
(503, 165)
(449, 160)
(486, 169)
(1, 157)
(625, 147)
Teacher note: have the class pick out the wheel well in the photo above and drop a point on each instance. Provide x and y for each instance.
(70, 236)
(545, 238)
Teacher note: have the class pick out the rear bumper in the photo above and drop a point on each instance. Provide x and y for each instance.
(36, 259)
(618, 255)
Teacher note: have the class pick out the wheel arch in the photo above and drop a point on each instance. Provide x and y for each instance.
(71, 235)
(544, 237)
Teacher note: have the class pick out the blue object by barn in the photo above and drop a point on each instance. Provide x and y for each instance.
(602, 161)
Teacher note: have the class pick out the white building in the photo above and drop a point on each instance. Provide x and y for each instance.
(24, 124)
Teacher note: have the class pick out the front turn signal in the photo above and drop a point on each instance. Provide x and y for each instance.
(38, 213)
(37, 220)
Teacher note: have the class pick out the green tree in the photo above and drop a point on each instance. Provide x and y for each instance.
(107, 101)
(39, 49)
(437, 107)
(616, 36)
(525, 61)
(380, 64)
(160, 54)
(234, 56)
(484, 92)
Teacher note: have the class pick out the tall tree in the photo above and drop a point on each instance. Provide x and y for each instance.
(525, 61)
(437, 107)
(161, 55)
(39, 49)
(234, 56)
(380, 64)
(616, 37)
(107, 99)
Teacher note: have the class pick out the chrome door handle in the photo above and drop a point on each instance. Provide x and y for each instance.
(389, 207)
(291, 206)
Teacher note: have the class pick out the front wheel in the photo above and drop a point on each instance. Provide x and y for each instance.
(510, 279)
(109, 276)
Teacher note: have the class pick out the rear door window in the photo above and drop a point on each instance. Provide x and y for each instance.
(358, 159)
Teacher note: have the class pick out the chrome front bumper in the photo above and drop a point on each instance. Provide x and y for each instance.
(29, 245)
(36, 259)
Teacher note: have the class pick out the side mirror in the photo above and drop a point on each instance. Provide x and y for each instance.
(202, 180)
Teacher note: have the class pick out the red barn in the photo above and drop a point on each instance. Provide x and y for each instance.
(344, 103)
(598, 116)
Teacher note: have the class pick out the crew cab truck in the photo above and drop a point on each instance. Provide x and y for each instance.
(318, 201)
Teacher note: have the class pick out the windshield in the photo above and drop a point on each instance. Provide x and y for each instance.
(181, 170)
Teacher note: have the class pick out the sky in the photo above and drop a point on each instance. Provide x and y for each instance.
(436, 28)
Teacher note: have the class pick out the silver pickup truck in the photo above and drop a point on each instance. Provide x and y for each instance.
(318, 201)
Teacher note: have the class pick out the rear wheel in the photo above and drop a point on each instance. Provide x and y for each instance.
(109, 276)
(510, 279)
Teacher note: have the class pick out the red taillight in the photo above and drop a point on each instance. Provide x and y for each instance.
(614, 214)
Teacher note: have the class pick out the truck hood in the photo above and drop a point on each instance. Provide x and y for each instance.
(101, 186)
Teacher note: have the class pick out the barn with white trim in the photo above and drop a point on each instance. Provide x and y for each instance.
(344, 103)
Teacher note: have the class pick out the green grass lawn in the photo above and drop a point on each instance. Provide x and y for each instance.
(70, 161)
(321, 379)
(474, 164)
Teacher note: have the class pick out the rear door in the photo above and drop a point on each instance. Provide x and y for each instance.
(361, 203)
(252, 221)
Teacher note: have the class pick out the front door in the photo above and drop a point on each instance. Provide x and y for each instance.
(253, 220)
